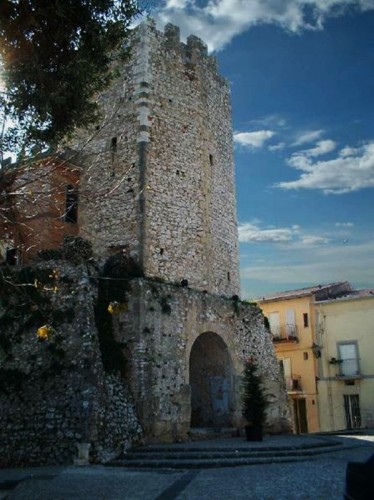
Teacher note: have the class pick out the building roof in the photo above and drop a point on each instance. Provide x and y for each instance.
(321, 292)
(352, 295)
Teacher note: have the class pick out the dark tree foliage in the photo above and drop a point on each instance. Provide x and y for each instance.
(254, 401)
(56, 55)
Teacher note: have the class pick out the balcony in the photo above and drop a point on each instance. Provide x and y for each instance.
(293, 384)
(285, 333)
(347, 369)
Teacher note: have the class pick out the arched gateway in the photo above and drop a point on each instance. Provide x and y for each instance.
(211, 382)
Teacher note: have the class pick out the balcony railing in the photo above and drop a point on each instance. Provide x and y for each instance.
(293, 383)
(285, 333)
(347, 369)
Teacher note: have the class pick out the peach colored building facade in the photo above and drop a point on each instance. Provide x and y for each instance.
(291, 317)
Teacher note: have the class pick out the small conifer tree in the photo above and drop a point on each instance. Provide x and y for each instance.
(253, 399)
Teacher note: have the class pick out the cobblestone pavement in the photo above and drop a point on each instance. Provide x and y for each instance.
(322, 477)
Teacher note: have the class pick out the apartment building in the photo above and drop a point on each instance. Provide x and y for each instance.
(345, 333)
(292, 322)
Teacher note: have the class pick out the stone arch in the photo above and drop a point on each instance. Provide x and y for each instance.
(210, 369)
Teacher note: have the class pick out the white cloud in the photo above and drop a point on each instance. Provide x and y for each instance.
(310, 240)
(339, 175)
(348, 151)
(301, 159)
(177, 4)
(269, 121)
(251, 232)
(294, 236)
(344, 224)
(307, 137)
(217, 22)
(254, 139)
(277, 147)
(321, 148)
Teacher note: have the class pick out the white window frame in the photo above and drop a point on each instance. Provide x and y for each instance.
(348, 367)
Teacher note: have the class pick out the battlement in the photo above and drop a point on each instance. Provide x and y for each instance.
(193, 51)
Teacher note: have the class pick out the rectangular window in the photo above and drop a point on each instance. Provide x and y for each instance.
(274, 324)
(290, 323)
(71, 207)
(306, 320)
(348, 356)
(352, 411)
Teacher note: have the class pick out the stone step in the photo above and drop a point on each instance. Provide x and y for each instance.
(205, 433)
(187, 456)
(245, 446)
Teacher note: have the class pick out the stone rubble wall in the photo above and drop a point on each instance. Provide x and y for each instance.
(190, 229)
(159, 329)
(54, 393)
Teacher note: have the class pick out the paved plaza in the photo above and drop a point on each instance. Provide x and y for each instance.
(322, 476)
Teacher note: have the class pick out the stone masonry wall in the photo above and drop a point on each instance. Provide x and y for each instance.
(54, 392)
(190, 229)
(160, 327)
(159, 168)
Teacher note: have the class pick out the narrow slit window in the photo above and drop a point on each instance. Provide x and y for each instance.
(113, 145)
(306, 320)
(211, 160)
(71, 208)
(113, 148)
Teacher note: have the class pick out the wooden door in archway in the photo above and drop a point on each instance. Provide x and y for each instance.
(210, 381)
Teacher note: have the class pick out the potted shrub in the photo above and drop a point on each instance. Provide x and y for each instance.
(253, 402)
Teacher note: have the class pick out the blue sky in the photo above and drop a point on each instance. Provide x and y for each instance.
(302, 77)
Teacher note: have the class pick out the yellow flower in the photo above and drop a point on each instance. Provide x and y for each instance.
(111, 307)
(116, 307)
(44, 332)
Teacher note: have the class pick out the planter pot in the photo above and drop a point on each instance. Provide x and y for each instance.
(83, 454)
(253, 433)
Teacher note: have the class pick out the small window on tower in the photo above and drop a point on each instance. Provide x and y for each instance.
(113, 148)
(71, 208)
(228, 276)
(11, 257)
(211, 160)
(113, 145)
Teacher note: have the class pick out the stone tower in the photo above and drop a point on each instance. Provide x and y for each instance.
(159, 185)
(161, 175)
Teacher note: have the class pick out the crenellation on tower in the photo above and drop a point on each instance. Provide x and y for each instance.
(172, 35)
(197, 48)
